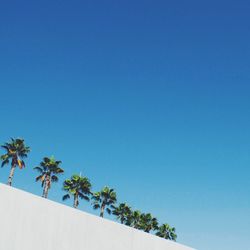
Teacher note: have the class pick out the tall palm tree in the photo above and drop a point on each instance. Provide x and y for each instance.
(48, 170)
(77, 186)
(166, 232)
(122, 212)
(104, 200)
(16, 151)
(148, 223)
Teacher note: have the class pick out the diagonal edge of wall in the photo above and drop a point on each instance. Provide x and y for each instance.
(29, 222)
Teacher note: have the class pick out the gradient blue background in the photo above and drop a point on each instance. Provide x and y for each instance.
(148, 97)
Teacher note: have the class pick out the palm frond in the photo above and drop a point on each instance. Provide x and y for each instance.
(54, 178)
(108, 210)
(5, 162)
(39, 178)
(39, 169)
(66, 197)
(82, 196)
(96, 206)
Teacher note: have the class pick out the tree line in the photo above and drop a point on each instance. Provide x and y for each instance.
(79, 188)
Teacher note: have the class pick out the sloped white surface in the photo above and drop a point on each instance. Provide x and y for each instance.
(29, 222)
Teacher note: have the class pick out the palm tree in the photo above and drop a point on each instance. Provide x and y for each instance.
(134, 219)
(147, 223)
(104, 200)
(166, 232)
(48, 170)
(77, 186)
(16, 151)
(122, 212)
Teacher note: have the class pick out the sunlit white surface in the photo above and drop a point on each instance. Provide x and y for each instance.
(29, 222)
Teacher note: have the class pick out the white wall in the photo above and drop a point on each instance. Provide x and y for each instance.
(29, 222)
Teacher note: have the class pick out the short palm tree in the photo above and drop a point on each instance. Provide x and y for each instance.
(134, 219)
(122, 213)
(147, 223)
(48, 170)
(166, 232)
(16, 151)
(104, 200)
(78, 187)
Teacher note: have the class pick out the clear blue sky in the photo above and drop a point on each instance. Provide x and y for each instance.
(148, 97)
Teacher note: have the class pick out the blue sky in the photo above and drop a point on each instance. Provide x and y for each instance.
(148, 97)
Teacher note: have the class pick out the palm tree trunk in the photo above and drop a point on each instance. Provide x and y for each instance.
(46, 187)
(12, 170)
(102, 210)
(76, 201)
(122, 220)
(44, 190)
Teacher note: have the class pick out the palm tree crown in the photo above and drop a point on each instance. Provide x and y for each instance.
(122, 212)
(48, 170)
(16, 151)
(104, 200)
(77, 186)
(148, 223)
(167, 232)
(134, 219)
